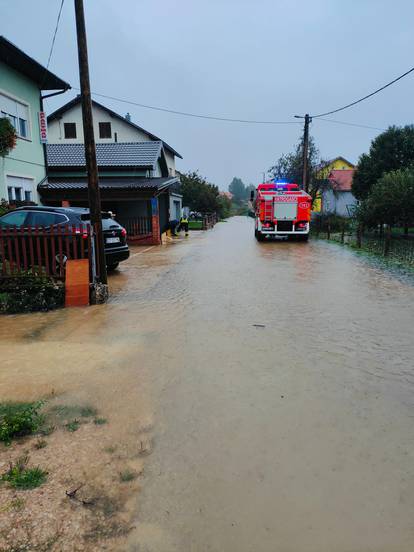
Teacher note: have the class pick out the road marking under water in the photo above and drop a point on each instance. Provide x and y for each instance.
(140, 252)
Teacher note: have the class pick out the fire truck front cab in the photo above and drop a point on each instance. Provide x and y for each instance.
(282, 209)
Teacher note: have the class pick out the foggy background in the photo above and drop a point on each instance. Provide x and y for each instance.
(267, 60)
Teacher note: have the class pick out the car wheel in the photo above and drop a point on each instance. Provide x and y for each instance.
(112, 266)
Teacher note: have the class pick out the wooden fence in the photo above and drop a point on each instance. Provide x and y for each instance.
(209, 221)
(43, 251)
(137, 227)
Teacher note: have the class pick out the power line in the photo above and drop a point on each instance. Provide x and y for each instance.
(54, 34)
(196, 115)
(365, 97)
(351, 124)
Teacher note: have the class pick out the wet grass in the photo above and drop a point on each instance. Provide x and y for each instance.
(127, 475)
(65, 412)
(19, 419)
(100, 421)
(40, 444)
(19, 476)
(72, 426)
(110, 449)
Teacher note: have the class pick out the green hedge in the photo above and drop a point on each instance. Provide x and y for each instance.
(30, 294)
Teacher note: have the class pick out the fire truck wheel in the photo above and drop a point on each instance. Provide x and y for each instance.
(302, 238)
(259, 236)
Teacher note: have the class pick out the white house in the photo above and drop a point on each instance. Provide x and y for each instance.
(65, 127)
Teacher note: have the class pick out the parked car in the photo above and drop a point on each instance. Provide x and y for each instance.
(116, 247)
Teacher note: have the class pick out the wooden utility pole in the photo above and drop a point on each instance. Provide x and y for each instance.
(89, 140)
(305, 175)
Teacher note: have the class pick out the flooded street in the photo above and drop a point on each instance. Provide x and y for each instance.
(275, 382)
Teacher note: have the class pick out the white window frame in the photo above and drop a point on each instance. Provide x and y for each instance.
(24, 188)
(16, 99)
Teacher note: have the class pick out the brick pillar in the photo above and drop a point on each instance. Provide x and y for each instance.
(156, 236)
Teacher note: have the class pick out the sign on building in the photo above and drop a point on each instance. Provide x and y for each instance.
(43, 127)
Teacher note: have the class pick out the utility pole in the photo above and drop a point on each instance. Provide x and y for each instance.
(305, 182)
(101, 291)
(305, 153)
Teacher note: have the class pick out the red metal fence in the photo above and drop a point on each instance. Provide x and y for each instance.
(137, 227)
(42, 251)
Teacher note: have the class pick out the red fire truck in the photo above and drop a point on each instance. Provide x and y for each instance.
(281, 209)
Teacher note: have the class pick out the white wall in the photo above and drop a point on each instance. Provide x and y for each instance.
(175, 198)
(124, 131)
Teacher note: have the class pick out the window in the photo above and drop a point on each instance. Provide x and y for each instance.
(19, 188)
(18, 218)
(105, 130)
(41, 218)
(17, 113)
(70, 130)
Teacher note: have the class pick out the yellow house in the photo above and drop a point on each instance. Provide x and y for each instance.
(324, 170)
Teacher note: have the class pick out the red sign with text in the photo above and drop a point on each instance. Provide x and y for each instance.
(43, 127)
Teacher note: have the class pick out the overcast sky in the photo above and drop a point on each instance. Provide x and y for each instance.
(263, 59)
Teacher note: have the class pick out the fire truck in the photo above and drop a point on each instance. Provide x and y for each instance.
(281, 209)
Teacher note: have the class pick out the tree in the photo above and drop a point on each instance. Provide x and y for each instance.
(198, 194)
(7, 136)
(238, 189)
(289, 167)
(391, 200)
(391, 150)
(224, 206)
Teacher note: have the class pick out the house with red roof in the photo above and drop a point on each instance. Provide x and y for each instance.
(339, 199)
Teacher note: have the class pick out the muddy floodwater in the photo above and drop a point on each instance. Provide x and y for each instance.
(275, 382)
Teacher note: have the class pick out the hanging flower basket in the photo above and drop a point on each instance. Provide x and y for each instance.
(7, 136)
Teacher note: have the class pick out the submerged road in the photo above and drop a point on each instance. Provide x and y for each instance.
(282, 381)
(275, 380)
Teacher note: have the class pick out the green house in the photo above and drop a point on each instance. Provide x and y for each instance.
(22, 80)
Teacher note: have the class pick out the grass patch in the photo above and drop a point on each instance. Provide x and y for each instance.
(40, 444)
(19, 476)
(72, 426)
(127, 475)
(100, 421)
(65, 412)
(19, 419)
(111, 449)
(195, 224)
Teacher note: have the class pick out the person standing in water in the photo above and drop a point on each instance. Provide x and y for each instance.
(184, 224)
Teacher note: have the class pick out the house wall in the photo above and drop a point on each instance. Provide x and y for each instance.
(338, 203)
(26, 160)
(176, 206)
(124, 131)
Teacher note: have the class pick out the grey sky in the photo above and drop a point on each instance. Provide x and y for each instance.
(268, 59)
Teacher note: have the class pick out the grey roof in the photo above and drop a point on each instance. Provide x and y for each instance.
(77, 100)
(114, 183)
(116, 154)
(20, 61)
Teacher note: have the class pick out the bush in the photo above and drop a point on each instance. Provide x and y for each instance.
(19, 419)
(29, 294)
(21, 477)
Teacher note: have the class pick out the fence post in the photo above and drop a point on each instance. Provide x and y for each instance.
(328, 236)
(359, 236)
(343, 232)
(387, 241)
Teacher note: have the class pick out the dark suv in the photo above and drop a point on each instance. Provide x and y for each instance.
(116, 247)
